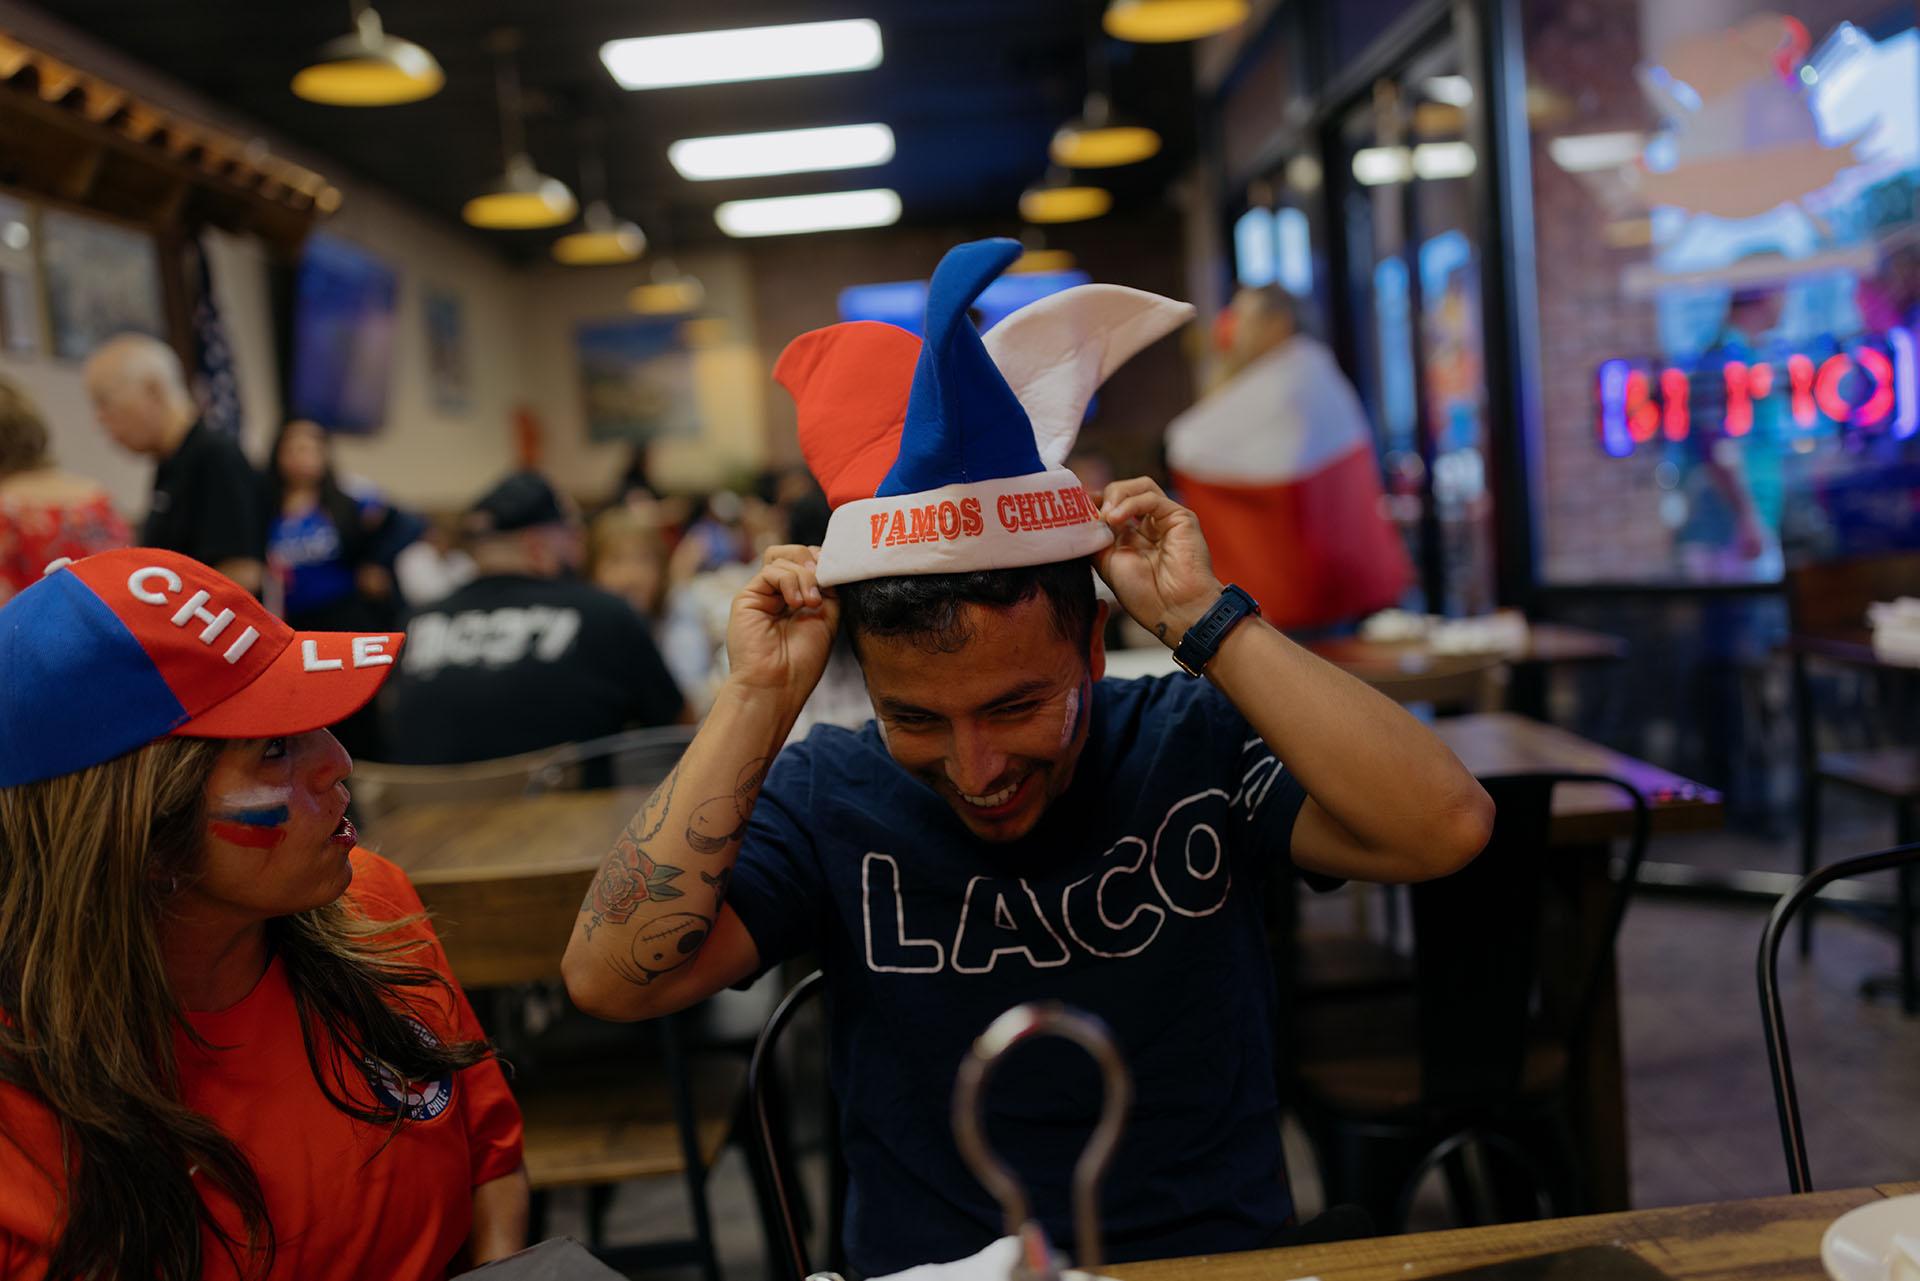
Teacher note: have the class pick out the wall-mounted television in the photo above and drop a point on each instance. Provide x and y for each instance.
(343, 324)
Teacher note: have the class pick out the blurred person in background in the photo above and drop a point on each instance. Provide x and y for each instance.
(435, 565)
(329, 555)
(205, 501)
(717, 537)
(1279, 465)
(230, 1043)
(45, 513)
(627, 555)
(526, 656)
(1735, 488)
(331, 551)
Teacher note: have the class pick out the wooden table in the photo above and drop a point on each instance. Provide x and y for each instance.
(1777, 1238)
(1507, 743)
(559, 831)
(1548, 644)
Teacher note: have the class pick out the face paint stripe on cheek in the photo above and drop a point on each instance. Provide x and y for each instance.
(253, 818)
(247, 836)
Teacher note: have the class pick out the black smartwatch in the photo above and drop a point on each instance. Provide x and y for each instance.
(1202, 641)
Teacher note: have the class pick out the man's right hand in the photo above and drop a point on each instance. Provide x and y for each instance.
(780, 633)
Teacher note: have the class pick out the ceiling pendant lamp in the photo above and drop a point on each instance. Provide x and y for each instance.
(368, 68)
(604, 239)
(1100, 140)
(521, 198)
(1166, 21)
(1060, 199)
(1035, 258)
(668, 294)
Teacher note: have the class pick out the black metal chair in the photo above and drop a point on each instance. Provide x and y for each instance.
(783, 1210)
(1902, 859)
(1477, 1060)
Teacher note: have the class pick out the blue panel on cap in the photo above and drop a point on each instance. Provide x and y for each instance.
(76, 688)
(963, 422)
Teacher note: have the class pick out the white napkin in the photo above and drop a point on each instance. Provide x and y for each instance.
(994, 1263)
(1903, 1259)
(1896, 630)
(1504, 632)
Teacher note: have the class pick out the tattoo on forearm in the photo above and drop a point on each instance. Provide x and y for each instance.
(661, 946)
(722, 820)
(628, 876)
(1160, 630)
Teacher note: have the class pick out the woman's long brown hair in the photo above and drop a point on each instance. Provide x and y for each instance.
(87, 1015)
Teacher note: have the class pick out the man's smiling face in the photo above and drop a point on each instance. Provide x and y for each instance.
(995, 726)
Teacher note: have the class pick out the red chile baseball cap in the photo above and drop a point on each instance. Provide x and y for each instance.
(108, 653)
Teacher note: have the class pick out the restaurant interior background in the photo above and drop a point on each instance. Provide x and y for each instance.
(1630, 310)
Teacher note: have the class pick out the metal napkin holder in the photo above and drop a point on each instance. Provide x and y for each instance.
(1035, 1261)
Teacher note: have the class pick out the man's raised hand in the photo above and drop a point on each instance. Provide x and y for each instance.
(780, 632)
(1158, 566)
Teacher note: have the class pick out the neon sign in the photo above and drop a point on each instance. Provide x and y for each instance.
(1869, 384)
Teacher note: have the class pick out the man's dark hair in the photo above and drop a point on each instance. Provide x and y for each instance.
(927, 608)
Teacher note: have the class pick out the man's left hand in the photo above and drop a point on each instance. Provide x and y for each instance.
(1158, 565)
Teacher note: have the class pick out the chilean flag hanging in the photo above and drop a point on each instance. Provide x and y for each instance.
(1278, 464)
(947, 455)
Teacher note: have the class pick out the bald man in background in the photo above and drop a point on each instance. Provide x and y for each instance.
(205, 494)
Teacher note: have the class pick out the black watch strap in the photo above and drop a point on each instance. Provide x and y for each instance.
(1202, 641)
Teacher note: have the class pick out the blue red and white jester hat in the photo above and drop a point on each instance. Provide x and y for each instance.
(948, 455)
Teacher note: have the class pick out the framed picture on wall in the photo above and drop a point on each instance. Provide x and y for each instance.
(636, 376)
(343, 326)
(101, 279)
(447, 370)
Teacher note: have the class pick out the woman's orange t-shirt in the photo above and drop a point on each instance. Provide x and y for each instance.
(342, 1204)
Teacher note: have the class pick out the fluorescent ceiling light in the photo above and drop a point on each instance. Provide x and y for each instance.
(789, 215)
(746, 53)
(755, 155)
(1443, 160)
(1591, 152)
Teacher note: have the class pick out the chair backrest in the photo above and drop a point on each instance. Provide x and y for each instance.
(1831, 597)
(631, 758)
(499, 930)
(1773, 1021)
(1477, 939)
(380, 788)
(774, 1169)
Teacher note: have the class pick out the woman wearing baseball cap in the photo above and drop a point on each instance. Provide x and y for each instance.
(229, 1042)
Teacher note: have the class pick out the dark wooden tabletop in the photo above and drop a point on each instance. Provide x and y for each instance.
(1496, 743)
(1547, 644)
(1777, 1238)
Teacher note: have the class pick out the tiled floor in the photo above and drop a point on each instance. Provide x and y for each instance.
(1700, 1106)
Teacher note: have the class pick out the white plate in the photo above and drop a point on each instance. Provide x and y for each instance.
(1857, 1244)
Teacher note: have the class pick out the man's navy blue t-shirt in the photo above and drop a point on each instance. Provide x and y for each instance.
(1136, 898)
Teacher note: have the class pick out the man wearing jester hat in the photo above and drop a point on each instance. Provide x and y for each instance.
(1011, 826)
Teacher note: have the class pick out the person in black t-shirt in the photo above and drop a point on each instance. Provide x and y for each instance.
(525, 656)
(205, 494)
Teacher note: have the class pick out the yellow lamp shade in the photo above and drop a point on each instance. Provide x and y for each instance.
(1035, 261)
(603, 241)
(1064, 204)
(667, 297)
(369, 68)
(521, 199)
(1166, 21)
(599, 248)
(1077, 147)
